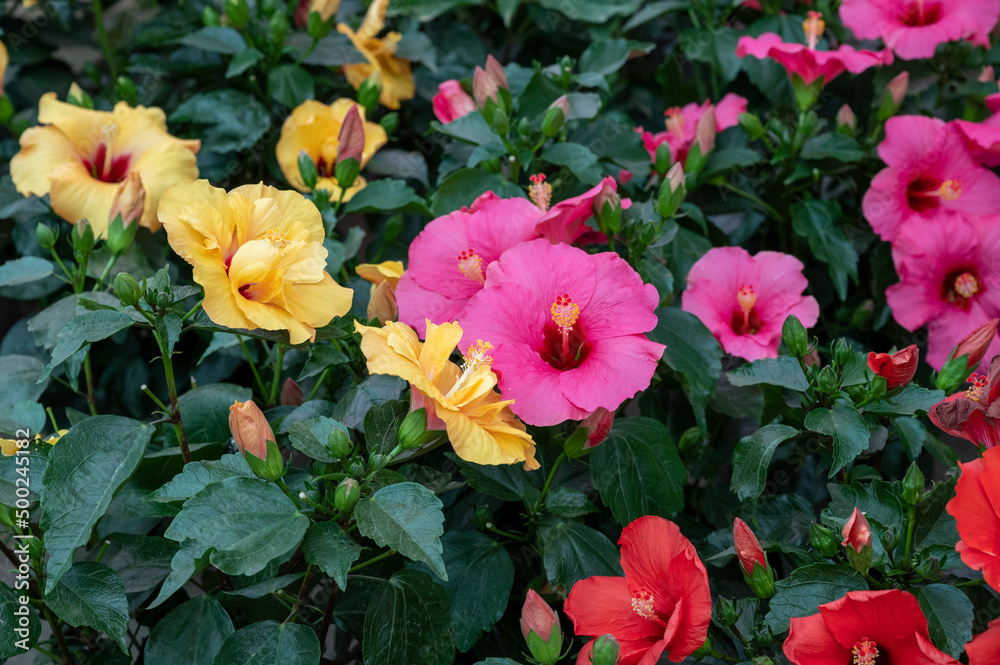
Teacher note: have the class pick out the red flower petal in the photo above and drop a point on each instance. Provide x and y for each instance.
(810, 642)
(984, 648)
(599, 605)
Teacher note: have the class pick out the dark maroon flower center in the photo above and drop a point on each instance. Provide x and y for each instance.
(577, 348)
(921, 12)
(107, 168)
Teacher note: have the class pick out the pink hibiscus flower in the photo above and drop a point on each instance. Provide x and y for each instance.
(567, 328)
(983, 139)
(805, 60)
(914, 28)
(930, 171)
(450, 257)
(682, 124)
(948, 280)
(452, 102)
(567, 220)
(744, 299)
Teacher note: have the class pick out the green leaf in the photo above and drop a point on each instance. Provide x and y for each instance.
(290, 85)
(310, 437)
(19, 380)
(912, 435)
(142, 562)
(693, 353)
(592, 11)
(508, 482)
(480, 578)
(215, 39)
(577, 158)
(33, 474)
(205, 411)
(829, 145)
(816, 221)
(752, 457)
(408, 621)
(233, 120)
(85, 470)
(406, 517)
(652, 11)
(572, 551)
(91, 594)
(240, 523)
(191, 634)
(327, 546)
(605, 57)
(507, 9)
(376, 389)
(332, 51)
(935, 530)
(464, 186)
(720, 161)
(169, 328)
(243, 61)
(15, 644)
(949, 615)
(270, 643)
(267, 587)
(910, 401)
(381, 424)
(846, 426)
(807, 588)
(387, 195)
(85, 329)
(876, 499)
(566, 502)
(783, 371)
(198, 475)
(637, 470)
(322, 356)
(23, 270)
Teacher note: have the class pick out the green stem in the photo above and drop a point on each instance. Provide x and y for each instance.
(192, 311)
(104, 548)
(67, 656)
(307, 52)
(156, 400)
(253, 367)
(102, 36)
(52, 418)
(62, 265)
(276, 381)
(107, 269)
(910, 526)
(319, 382)
(383, 555)
(175, 414)
(548, 482)
(752, 198)
(291, 495)
(88, 373)
(505, 534)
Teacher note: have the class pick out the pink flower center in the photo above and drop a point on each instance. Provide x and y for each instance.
(675, 121)
(865, 652)
(642, 603)
(978, 389)
(564, 346)
(746, 321)
(926, 194)
(470, 264)
(919, 12)
(814, 26)
(961, 287)
(104, 165)
(540, 192)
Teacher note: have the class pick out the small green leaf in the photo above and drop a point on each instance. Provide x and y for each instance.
(243, 61)
(310, 437)
(572, 551)
(142, 562)
(816, 221)
(848, 429)
(23, 270)
(327, 546)
(205, 411)
(85, 329)
(406, 517)
(508, 482)
(910, 401)
(577, 158)
(408, 621)
(387, 195)
(231, 120)
(381, 426)
(191, 634)
(949, 615)
(91, 594)
(783, 371)
(752, 457)
(290, 85)
(198, 475)
(270, 643)
(215, 39)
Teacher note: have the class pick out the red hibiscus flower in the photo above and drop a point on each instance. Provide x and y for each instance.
(898, 368)
(973, 414)
(865, 628)
(975, 511)
(662, 605)
(984, 649)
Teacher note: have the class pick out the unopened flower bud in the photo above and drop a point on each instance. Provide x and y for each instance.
(45, 235)
(369, 92)
(541, 630)
(210, 17)
(413, 429)
(326, 9)
(555, 116)
(278, 24)
(127, 289)
(608, 209)
(704, 136)
(726, 611)
(661, 160)
(794, 335)
(377, 462)
(847, 122)
(347, 494)
(823, 540)
(598, 426)
(827, 381)
(126, 211)
(77, 97)
(250, 429)
(291, 393)
(82, 238)
(976, 343)
(495, 71)
(928, 568)
(897, 369)
(751, 125)
(604, 651)
(271, 467)
(339, 443)
(753, 561)
(892, 98)
(672, 191)
(351, 139)
(858, 541)
(914, 484)
(382, 304)
(237, 12)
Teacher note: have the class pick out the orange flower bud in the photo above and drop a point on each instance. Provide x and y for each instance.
(857, 532)
(706, 131)
(536, 615)
(351, 140)
(250, 429)
(291, 393)
(846, 118)
(977, 342)
(382, 305)
(748, 548)
(562, 104)
(130, 200)
(486, 82)
(897, 369)
(598, 426)
(495, 71)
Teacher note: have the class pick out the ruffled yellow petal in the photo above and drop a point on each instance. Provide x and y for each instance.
(43, 149)
(391, 72)
(299, 217)
(220, 304)
(161, 166)
(74, 195)
(319, 303)
(331, 186)
(376, 273)
(197, 218)
(439, 344)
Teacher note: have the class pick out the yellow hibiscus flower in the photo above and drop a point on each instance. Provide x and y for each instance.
(480, 425)
(8, 447)
(79, 157)
(315, 128)
(259, 254)
(376, 273)
(391, 72)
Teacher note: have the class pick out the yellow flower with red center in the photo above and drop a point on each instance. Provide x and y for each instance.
(79, 157)
(259, 254)
(480, 425)
(391, 72)
(315, 128)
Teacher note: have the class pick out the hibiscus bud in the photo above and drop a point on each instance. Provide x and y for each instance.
(928, 568)
(127, 289)
(307, 169)
(82, 240)
(382, 304)
(976, 343)
(608, 210)
(858, 541)
(452, 102)
(45, 235)
(704, 138)
(897, 369)
(823, 540)
(250, 429)
(847, 122)
(794, 335)
(842, 351)
(377, 462)
(210, 17)
(272, 467)
(237, 12)
(604, 651)
(555, 116)
(279, 28)
(346, 496)
(482, 87)
(661, 161)
(291, 393)
(326, 9)
(77, 97)
(495, 71)
(351, 140)
(892, 98)
(672, 192)
(413, 430)
(726, 611)
(540, 627)
(913, 485)
(338, 443)
(751, 125)
(753, 561)
(598, 426)
(369, 93)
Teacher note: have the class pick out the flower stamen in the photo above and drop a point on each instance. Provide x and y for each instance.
(951, 190)
(814, 27)
(540, 192)
(966, 285)
(865, 652)
(565, 314)
(642, 603)
(470, 264)
(477, 357)
(747, 299)
(276, 237)
(978, 389)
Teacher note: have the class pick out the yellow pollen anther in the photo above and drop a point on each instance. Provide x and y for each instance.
(470, 264)
(675, 121)
(814, 26)
(276, 237)
(565, 313)
(865, 652)
(747, 298)
(477, 357)
(966, 285)
(540, 192)
(951, 190)
(642, 603)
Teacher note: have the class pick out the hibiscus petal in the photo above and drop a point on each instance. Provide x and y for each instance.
(600, 605)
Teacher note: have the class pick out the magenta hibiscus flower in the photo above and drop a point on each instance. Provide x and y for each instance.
(682, 124)
(949, 280)
(930, 171)
(744, 299)
(567, 220)
(567, 329)
(805, 60)
(913, 29)
(983, 139)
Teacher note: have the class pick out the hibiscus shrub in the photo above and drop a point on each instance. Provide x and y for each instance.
(417, 332)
